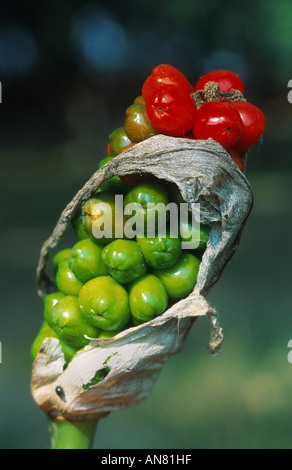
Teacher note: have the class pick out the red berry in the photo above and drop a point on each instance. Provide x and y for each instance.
(219, 121)
(171, 110)
(253, 124)
(164, 74)
(225, 79)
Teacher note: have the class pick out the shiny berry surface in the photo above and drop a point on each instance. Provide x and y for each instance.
(69, 323)
(124, 260)
(160, 252)
(66, 280)
(171, 110)
(224, 78)
(180, 279)
(148, 298)
(253, 124)
(164, 74)
(147, 200)
(85, 260)
(118, 140)
(104, 303)
(137, 125)
(49, 302)
(102, 218)
(220, 121)
(60, 256)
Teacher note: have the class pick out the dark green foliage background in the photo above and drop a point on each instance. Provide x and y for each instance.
(55, 121)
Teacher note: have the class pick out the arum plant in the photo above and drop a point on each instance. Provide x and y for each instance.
(116, 309)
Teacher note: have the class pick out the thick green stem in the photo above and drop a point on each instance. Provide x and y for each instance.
(72, 434)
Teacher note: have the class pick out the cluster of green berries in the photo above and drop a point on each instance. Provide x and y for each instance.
(105, 285)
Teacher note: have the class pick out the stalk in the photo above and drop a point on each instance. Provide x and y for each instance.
(72, 434)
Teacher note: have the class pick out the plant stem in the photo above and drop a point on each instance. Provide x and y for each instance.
(72, 434)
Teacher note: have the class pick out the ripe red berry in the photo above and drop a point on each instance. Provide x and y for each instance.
(164, 74)
(171, 110)
(253, 124)
(224, 78)
(218, 121)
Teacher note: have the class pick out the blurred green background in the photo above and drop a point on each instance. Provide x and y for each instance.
(68, 71)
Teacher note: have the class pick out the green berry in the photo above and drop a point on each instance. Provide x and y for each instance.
(180, 279)
(197, 236)
(70, 325)
(102, 219)
(148, 204)
(66, 280)
(124, 260)
(148, 298)
(160, 252)
(118, 140)
(85, 260)
(137, 125)
(104, 303)
(49, 302)
(60, 256)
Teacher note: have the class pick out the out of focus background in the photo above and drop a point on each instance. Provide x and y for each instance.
(69, 70)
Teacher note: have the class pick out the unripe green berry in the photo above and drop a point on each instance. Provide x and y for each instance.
(66, 280)
(70, 325)
(85, 260)
(104, 303)
(124, 260)
(148, 298)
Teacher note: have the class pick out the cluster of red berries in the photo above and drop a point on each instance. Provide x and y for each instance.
(170, 105)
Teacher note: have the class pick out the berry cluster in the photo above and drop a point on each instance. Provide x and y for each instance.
(214, 108)
(107, 283)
